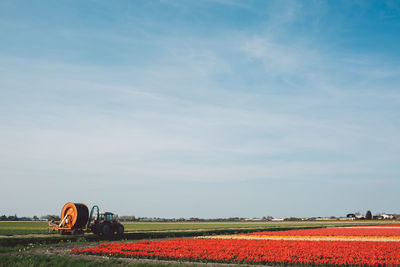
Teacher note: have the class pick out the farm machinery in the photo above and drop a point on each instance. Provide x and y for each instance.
(75, 220)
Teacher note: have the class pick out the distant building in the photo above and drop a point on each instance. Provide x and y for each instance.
(360, 217)
(384, 216)
(387, 216)
(347, 218)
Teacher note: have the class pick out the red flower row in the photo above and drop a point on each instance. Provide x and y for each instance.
(345, 231)
(258, 251)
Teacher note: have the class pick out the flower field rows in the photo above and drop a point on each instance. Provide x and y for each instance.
(376, 231)
(244, 248)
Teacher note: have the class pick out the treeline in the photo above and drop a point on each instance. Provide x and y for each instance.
(34, 218)
(350, 216)
(157, 219)
(193, 219)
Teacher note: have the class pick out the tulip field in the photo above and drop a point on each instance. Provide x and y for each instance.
(357, 246)
(9, 228)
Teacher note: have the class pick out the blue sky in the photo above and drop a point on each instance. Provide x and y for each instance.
(200, 108)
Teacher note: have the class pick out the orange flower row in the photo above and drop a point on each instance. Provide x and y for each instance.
(257, 251)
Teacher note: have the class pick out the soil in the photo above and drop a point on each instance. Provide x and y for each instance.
(28, 235)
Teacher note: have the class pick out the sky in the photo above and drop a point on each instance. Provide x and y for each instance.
(202, 109)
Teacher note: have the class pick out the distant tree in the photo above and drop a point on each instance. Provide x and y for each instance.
(267, 218)
(50, 217)
(13, 218)
(292, 219)
(3, 218)
(35, 218)
(368, 215)
(127, 218)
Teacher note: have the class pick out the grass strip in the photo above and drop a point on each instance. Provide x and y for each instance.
(50, 261)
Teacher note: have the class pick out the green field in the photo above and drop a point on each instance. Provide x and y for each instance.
(22, 228)
(50, 261)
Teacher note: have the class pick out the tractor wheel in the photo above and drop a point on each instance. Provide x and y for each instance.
(77, 232)
(119, 230)
(105, 229)
(95, 229)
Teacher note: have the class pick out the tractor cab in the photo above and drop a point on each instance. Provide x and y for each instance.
(106, 216)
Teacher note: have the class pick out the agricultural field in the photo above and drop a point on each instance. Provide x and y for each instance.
(148, 226)
(10, 228)
(40, 227)
(354, 246)
(23, 227)
(194, 243)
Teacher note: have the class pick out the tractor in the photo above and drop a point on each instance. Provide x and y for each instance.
(104, 223)
(75, 220)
